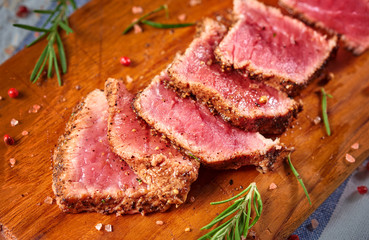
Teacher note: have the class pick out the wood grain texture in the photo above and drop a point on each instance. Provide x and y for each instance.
(93, 52)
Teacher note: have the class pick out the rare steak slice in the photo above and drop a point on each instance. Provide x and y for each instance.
(272, 46)
(191, 126)
(246, 103)
(88, 176)
(155, 161)
(347, 17)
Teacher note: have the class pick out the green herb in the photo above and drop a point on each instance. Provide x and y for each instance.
(58, 18)
(324, 111)
(240, 223)
(138, 180)
(163, 25)
(191, 155)
(103, 200)
(297, 175)
(156, 24)
(274, 34)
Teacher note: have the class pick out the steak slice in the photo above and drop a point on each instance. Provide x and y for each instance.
(191, 126)
(88, 176)
(269, 45)
(347, 17)
(155, 161)
(246, 103)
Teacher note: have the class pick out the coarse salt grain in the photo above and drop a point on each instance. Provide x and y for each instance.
(188, 229)
(14, 122)
(34, 108)
(98, 226)
(108, 228)
(128, 79)
(25, 133)
(182, 17)
(355, 146)
(314, 223)
(48, 200)
(317, 120)
(192, 199)
(194, 2)
(137, 28)
(160, 223)
(350, 158)
(1, 98)
(12, 162)
(137, 10)
(272, 186)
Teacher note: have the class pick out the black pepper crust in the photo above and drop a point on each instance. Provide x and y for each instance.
(143, 200)
(264, 161)
(165, 175)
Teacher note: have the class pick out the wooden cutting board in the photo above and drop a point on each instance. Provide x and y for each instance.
(93, 52)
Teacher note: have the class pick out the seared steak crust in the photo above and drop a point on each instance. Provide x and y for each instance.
(191, 126)
(268, 45)
(159, 165)
(235, 97)
(349, 18)
(112, 186)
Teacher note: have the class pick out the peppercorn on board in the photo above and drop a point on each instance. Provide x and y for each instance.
(93, 53)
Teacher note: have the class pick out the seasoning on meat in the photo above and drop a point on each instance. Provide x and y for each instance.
(268, 45)
(246, 103)
(191, 126)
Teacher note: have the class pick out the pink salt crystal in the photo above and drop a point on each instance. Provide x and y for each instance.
(272, 186)
(24, 133)
(48, 200)
(1, 98)
(98, 226)
(137, 10)
(317, 120)
(137, 28)
(194, 2)
(314, 223)
(14, 122)
(35, 108)
(355, 146)
(182, 17)
(108, 228)
(12, 162)
(129, 79)
(350, 158)
(160, 223)
(36, 34)
(9, 49)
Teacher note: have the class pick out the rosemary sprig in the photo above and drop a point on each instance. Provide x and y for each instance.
(156, 24)
(239, 224)
(297, 175)
(163, 25)
(58, 18)
(324, 111)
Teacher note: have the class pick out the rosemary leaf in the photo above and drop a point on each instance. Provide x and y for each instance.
(37, 40)
(58, 19)
(63, 59)
(162, 7)
(297, 175)
(65, 27)
(43, 11)
(238, 225)
(31, 28)
(163, 25)
(50, 66)
(324, 111)
(38, 64)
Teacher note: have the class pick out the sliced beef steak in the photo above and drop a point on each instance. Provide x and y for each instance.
(155, 161)
(272, 46)
(246, 103)
(191, 126)
(347, 17)
(88, 176)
